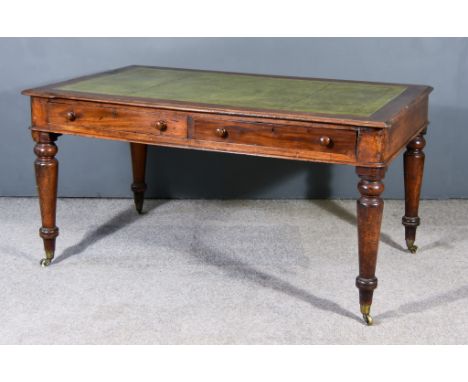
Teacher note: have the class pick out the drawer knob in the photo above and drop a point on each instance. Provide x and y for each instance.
(326, 141)
(71, 116)
(161, 125)
(221, 132)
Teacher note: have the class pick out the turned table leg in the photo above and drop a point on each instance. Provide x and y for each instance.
(46, 167)
(413, 161)
(369, 216)
(138, 152)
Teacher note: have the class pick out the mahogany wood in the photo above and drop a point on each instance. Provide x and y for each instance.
(368, 143)
(138, 153)
(112, 119)
(369, 218)
(46, 167)
(291, 138)
(413, 173)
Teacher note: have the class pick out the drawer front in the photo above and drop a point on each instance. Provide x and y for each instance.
(109, 118)
(281, 136)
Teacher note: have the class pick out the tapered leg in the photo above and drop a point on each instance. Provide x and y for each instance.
(46, 167)
(413, 161)
(138, 152)
(369, 216)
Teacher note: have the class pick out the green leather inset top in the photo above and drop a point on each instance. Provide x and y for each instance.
(240, 90)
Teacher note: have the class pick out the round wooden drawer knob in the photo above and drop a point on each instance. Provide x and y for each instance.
(326, 141)
(71, 116)
(161, 125)
(221, 132)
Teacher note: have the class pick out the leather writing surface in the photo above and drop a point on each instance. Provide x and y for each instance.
(241, 90)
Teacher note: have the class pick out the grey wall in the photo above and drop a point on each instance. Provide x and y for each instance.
(102, 168)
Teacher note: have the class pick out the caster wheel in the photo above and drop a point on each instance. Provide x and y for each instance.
(413, 248)
(45, 262)
(368, 319)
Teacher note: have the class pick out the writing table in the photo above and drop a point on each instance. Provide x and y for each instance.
(362, 124)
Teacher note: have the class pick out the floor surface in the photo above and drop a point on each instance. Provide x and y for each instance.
(229, 272)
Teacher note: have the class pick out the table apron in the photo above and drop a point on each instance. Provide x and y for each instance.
(296, 140)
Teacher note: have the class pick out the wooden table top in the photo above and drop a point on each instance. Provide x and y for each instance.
(366, 103)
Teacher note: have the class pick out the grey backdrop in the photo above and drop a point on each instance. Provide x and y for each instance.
(97, 168)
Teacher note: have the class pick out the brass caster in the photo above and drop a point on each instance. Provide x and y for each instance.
(411, 247)
(368, 319)
(45, 262)
(365, 310)
(138, 200)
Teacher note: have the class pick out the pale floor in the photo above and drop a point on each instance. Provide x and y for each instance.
(229, 272)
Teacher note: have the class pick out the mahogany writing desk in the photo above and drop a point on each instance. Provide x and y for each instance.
(362, 124)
